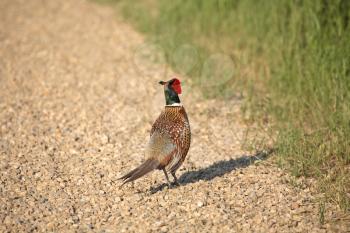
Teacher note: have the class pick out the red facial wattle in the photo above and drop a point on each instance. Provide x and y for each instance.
(176, 86)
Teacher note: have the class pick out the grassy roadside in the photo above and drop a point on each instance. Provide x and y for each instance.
(291, 58)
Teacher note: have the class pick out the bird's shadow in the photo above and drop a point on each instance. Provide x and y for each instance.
(217, 169)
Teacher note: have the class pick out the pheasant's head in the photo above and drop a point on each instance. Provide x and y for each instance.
(172, 89)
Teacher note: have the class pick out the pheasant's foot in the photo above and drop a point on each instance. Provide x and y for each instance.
(175, 183)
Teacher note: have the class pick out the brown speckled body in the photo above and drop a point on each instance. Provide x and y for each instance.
(173, 127)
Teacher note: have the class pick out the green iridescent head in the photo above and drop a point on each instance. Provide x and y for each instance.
(172, 89)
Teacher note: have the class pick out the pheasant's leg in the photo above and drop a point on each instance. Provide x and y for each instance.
(175, 179)
(167, 177)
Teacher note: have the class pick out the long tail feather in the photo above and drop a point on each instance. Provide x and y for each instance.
(142, 170)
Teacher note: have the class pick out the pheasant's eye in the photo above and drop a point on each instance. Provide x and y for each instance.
(176, 86)
(175, 81)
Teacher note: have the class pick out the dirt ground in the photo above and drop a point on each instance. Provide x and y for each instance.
(77, 101)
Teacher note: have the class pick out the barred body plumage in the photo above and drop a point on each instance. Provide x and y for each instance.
(174, 122)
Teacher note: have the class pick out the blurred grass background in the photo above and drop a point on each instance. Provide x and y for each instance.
(291, 61)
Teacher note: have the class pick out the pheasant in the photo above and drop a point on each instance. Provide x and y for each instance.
(170, 138)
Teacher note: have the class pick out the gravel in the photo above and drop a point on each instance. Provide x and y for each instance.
(75, 114)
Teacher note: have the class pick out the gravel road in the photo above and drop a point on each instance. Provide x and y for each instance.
(77, 101)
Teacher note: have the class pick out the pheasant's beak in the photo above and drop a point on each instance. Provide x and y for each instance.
(162, 83)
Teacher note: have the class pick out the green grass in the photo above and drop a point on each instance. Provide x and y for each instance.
(291, 58)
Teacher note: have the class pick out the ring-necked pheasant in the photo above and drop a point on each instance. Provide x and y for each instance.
(170, 137)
